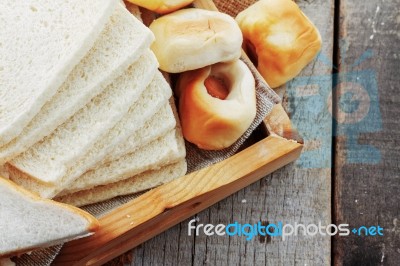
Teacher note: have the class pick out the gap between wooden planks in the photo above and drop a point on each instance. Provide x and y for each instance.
(367, 169)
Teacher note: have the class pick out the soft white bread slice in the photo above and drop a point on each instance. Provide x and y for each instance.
(41, 42)
(122, 41)
(155, 95)
(48, 160)
(135, 184)
(162, 122)
(159, 126)
(44, 190)
(29, 222)
(165, 150)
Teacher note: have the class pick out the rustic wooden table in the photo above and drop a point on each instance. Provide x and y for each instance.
(349, 170)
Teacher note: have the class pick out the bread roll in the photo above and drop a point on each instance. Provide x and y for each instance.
(280, 38)
(161, 6)
(216, 104)
(194, 38)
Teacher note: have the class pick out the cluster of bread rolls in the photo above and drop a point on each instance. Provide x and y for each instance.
(216, 90)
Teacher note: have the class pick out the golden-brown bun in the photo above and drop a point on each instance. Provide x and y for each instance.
(194, 38)
(283, 39)
(215, 123)
(161, 6)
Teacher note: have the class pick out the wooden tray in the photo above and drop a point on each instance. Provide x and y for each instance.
(163, 207)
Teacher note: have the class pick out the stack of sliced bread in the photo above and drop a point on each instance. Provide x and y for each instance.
(85, 115)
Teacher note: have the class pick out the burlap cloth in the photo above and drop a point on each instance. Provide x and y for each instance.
(196, 158)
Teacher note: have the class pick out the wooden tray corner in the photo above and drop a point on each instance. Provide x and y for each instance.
(163, 207)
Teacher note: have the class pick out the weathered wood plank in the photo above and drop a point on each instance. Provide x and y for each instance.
(367, 162)
(299, 192)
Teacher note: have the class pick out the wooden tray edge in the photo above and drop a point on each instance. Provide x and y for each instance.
(278, 123)
(157, 210)
(161, 208)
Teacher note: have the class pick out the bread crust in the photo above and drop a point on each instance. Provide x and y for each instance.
(283, 38)
(194, 38)
(213, 123)
(93, 223)
(161, 6)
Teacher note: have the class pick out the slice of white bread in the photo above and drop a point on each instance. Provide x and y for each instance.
(151, 100)
(165, 150)
(162, 122)
(29, 222)
(135, 184)
(44, 190)
(41, 42)
(48, 160)
(156, 93)
(122, 41)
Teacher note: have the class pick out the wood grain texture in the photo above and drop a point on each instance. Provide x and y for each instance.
(297, 193)
(160, 208)
(367, 179)
(278, 123)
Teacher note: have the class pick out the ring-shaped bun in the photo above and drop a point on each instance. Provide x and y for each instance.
(210, 122)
